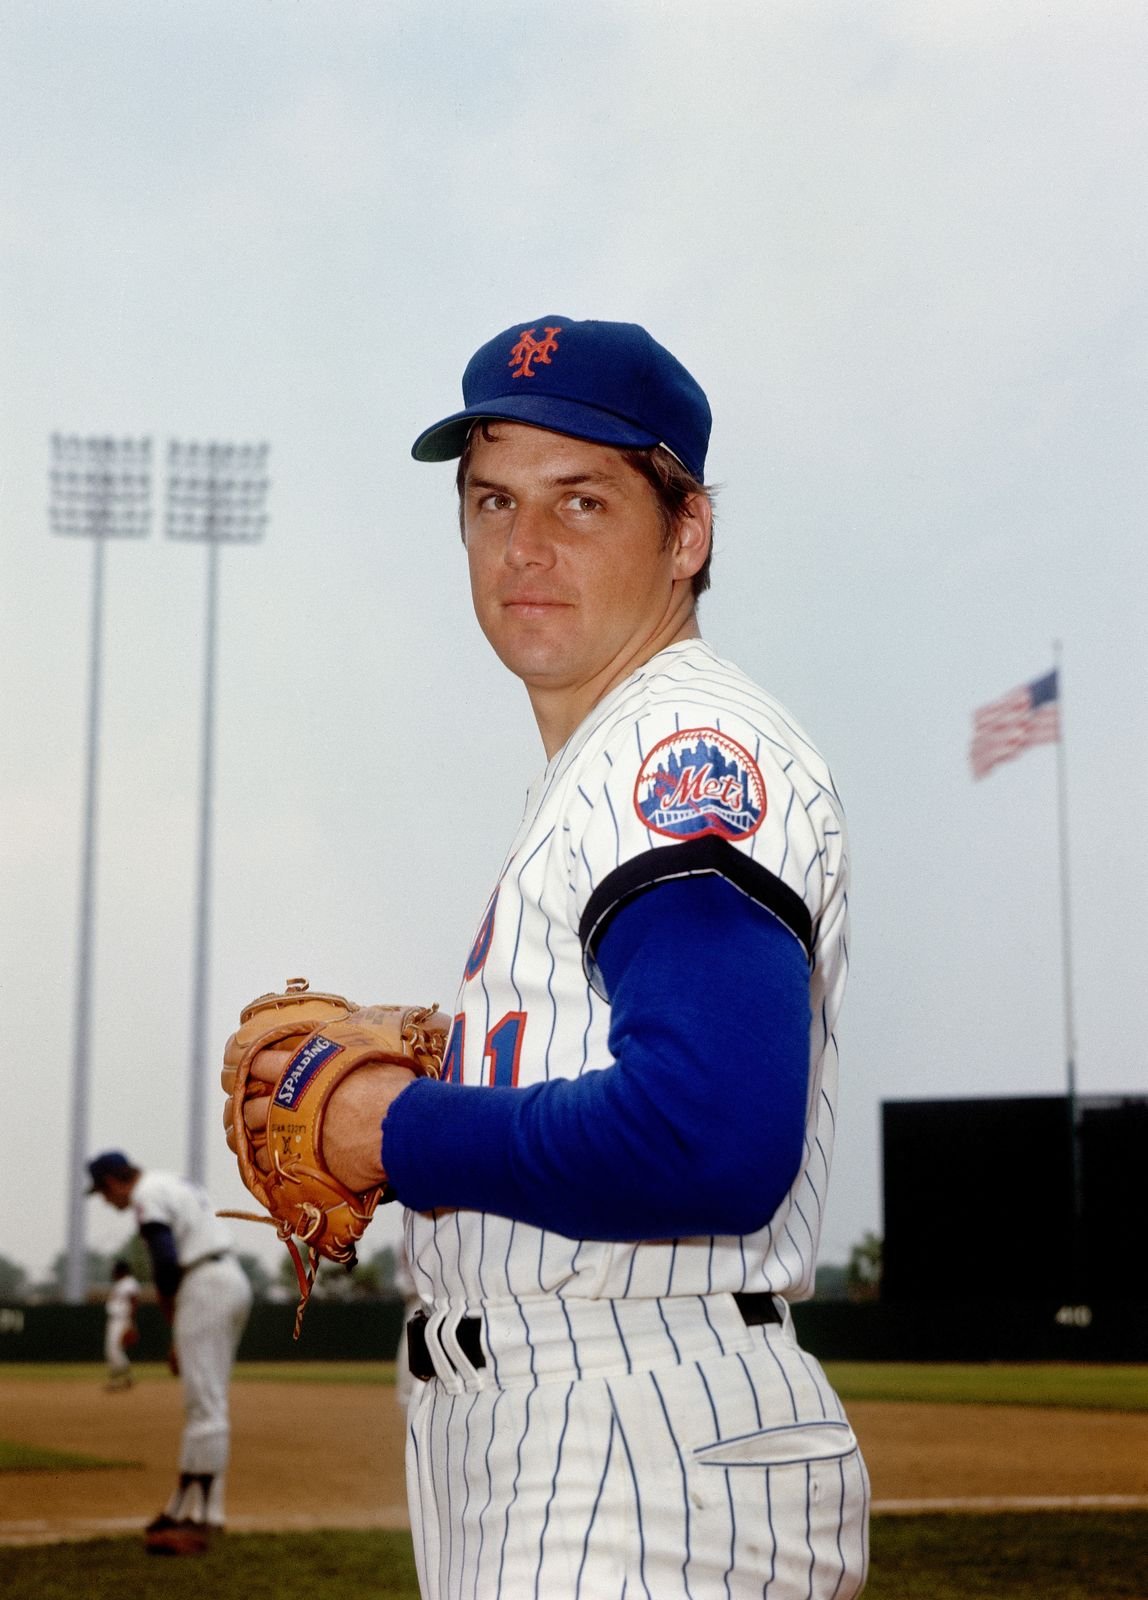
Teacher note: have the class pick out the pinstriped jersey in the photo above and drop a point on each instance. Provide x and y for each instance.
(687, 766)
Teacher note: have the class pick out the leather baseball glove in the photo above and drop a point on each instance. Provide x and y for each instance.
(329, 1038)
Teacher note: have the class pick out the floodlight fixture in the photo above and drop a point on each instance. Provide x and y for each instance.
(100, 487)
(216, 492)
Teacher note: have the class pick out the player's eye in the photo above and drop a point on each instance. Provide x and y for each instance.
(585, 503)
(495, 502)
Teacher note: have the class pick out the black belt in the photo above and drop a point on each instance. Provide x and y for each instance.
(219, 1255)
(756, 1310)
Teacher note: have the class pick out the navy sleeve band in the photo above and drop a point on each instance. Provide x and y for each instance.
(165, 1266)
(696, 1127)
(695, 857)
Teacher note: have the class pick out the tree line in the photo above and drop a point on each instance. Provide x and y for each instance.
(373, 1278)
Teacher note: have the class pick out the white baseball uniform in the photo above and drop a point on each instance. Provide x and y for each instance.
(212, 1305)
(626, 1432)
(119, 1309)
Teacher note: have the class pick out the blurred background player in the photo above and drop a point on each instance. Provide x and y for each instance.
(120, 1329)
(206, 1298)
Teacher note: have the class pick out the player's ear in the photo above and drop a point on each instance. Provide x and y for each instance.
(693, 529)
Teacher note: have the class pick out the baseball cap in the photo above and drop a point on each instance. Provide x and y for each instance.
(609, 382)
(108, 1164)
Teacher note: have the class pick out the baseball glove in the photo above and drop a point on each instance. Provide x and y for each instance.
(329, 1038)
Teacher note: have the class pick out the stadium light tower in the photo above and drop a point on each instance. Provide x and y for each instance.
(215, 496)
(100, 489)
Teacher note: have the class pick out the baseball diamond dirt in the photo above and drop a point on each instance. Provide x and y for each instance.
(350, 1435)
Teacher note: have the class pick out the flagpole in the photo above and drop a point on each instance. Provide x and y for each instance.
(1066, 969)
(1065, 921)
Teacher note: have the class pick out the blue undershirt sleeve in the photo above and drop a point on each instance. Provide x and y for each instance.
(697, 1126)
(165, 1266)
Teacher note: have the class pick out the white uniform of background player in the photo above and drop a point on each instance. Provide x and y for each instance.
(625, 1410)
(120, 1310)
(212, 1305)
(209, 1310)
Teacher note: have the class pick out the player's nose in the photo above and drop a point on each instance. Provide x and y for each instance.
(529, 539)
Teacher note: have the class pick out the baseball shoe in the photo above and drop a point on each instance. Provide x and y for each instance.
(176, 1538)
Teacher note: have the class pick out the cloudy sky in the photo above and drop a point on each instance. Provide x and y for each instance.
(901, 244)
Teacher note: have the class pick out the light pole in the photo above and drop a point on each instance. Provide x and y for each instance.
(215, 495)
(99, 489)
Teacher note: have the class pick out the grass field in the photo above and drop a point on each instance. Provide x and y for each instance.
(1084, 1387)
(34, 1458)
(1045, 1557)
(371, 1372)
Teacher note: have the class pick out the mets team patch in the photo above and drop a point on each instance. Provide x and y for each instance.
(302, 1068)
(699, 782)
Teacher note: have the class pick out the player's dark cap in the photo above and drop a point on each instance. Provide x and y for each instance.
(609, 382)
(108, 1164)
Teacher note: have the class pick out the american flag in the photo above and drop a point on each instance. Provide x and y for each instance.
(1024, 716)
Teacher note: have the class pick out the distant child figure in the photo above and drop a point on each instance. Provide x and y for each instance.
(121, 1331)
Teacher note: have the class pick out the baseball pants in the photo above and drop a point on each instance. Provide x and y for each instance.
(211, 1311)
(606, 1449)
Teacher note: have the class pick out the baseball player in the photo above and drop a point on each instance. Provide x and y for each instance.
(120, 1330)
(205, 1296)
(616, 1188)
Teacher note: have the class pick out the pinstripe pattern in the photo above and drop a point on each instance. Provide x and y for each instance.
(731, 1471)
(627, 1436)
(580, 824)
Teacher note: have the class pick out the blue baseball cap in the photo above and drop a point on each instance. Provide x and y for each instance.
(609, 382)
(109, 1164)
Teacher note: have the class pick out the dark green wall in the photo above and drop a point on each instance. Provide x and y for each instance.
(973, 1330)
(367, 1331)
(963, 1330)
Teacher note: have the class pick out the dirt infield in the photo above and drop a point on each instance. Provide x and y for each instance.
(346, 1442)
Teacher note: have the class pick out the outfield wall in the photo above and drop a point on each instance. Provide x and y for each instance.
(964, 1330)
(974, 1330)
(366, 1331)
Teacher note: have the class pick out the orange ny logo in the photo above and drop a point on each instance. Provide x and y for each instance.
(530, 349)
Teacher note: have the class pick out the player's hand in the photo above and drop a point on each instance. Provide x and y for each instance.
(352, 1128)
(267, 1067)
